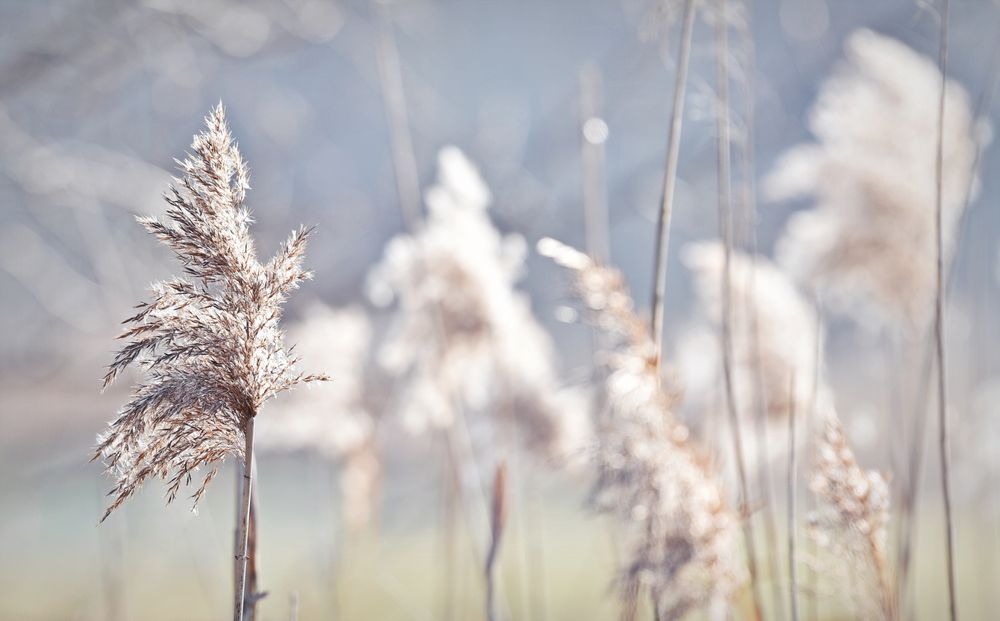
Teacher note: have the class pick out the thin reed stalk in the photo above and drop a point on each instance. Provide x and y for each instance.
(241, 607)
(764, 479)
(593, 134)
(536, 526)
(748, 235)
(408, 193)
(726, 230)
(793, 594)
(450, 530)
(908, 501)
(404, 161)
(907, 530)
(498, 520)
(252, 595)
(522, 581)
(406, 173)
(939, 336)
(670, 178)
(813, 578)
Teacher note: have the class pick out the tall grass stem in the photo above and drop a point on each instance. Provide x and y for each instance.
(670, 178)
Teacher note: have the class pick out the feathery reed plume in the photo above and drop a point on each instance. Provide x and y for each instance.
(498, 521)
(784, 323)
(211, 347)
(771, 341)
(336, 421)
(872, 172)
(682, 536)
(462, 335)
(853, 515)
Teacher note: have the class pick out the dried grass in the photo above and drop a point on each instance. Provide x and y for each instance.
(852, 517)
(210, 345)
(682, 536)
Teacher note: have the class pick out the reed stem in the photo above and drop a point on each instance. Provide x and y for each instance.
(670, 177)
(404, 160)
(726, 230)
(498, 520)
(243, 518)
(593, 134)
(792, 469)
(939, 337)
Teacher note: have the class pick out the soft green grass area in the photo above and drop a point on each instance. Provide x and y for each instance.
(557, 561)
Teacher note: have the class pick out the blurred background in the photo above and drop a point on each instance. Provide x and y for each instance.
(98, 98)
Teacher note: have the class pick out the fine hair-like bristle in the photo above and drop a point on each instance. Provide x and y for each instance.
(210, 344)
(683, 538)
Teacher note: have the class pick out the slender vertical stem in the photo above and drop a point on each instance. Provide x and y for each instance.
(907, 528)
(670, 177)
(522, 581)
(747, 233)
(394, 98)
(630, 600)
(593, 134)
(408, 190)
(111, 556)
(764, 478)
(540, 603)
(911, 492)
(725, 224)
(244, 523)
(252, 594)
(813, 584)
(449, 533)
(337, 547)
(943, 440)
(792, 469)
(404, 164)
(498, 519)
(887, 598)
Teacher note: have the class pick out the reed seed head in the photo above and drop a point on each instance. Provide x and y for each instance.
(462, 335)
(682, 536)
(209, 343)
(868, 243)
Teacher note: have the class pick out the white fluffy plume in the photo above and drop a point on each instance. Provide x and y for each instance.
(462, 336)
(868, 245)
